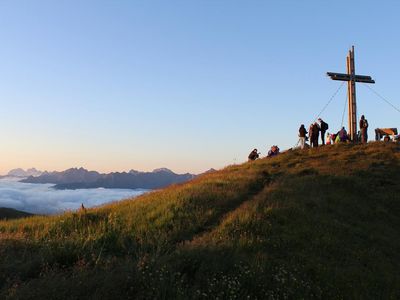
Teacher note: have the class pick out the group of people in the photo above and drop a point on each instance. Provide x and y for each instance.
(316, 130)
(272, 152)
(340, 137)
(320, 127)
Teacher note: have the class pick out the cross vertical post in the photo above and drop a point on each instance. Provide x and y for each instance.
(352, 96)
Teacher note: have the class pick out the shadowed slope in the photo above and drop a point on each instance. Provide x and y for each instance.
(311, 224)
(10, 213)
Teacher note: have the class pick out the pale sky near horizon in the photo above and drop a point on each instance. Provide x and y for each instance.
(187, 85)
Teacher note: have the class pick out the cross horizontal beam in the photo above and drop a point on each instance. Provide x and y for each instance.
(348, 77)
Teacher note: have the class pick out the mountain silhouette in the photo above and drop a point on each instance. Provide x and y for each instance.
(81, 178)
(22, 173)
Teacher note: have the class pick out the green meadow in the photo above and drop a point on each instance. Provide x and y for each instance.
(318, 223)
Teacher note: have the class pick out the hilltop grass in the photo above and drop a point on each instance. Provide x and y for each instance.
(321, 223)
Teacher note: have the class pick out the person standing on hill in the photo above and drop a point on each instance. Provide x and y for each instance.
(323, 127)
(364, 129)
(315, 135)
(254, 155)
(310, 134)
(302, 136)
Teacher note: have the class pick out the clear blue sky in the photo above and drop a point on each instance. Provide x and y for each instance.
(188, 85)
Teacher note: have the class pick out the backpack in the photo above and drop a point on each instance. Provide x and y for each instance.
(324, 126)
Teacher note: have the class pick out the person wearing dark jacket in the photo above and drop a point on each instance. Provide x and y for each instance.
(315, 135)
(273, 152)
(254, 155)
(323, 127)
(364, 129)
(302, 136)
(343, 135)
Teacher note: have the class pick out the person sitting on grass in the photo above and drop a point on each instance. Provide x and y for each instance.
(343, 135)
(328, 139)
(274, 151)
(254, 155)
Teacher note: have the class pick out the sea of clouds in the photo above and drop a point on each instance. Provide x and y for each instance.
(43, 199)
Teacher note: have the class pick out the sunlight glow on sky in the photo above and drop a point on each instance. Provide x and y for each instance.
(188, 85)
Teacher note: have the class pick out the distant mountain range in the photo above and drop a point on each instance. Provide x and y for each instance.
(81, 178)
(22, 173)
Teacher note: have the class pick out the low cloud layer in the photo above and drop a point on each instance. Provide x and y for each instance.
(43, 199)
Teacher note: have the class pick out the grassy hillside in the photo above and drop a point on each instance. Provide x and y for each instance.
(320, 223)
(9, 213)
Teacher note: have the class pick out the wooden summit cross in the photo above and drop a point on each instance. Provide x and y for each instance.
(351, 79)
